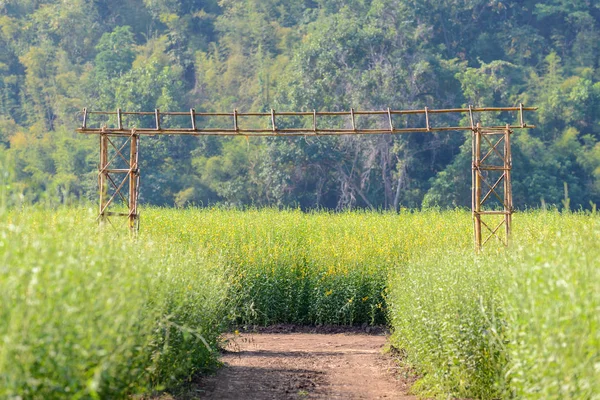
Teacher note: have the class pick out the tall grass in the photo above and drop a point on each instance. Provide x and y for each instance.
(516, 324)
(92, 314)
(89, 315)
(552, 299)
(447, 316)
(316, 268)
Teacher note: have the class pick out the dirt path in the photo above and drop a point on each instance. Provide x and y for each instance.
(305, 366)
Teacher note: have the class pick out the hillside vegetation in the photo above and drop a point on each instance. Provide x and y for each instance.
(57, 57)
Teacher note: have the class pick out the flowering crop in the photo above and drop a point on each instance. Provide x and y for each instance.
(93, 313)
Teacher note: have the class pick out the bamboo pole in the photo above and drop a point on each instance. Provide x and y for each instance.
(326, 113)
(477, 186)
(103, 175)
(133, 174)
(508, 199)
(281, 132)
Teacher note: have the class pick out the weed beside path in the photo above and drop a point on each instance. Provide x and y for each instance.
(92, 314)
(517, 323)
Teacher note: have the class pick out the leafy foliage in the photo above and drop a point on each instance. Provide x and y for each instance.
(57, 57)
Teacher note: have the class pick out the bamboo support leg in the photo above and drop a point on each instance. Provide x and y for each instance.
(133, 181)
(508, 200)
(103, 176)
(476, 194)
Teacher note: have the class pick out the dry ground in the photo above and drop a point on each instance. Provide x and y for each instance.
(284, 364)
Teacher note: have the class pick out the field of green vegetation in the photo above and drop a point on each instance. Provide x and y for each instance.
(88, 313)
(517, 324)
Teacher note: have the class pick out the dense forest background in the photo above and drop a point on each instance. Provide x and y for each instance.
(58, 56)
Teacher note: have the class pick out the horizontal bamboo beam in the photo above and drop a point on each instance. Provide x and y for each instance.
(493, 168)
(279, 132)
(273, 130)
(117, 170)
(117, 214)
(320, 113)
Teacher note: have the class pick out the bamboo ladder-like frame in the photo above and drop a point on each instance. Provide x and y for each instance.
(494, 140)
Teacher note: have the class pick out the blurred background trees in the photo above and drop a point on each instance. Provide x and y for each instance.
(59, 56)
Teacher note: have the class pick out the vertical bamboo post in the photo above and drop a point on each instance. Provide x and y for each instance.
(119, 119)
(508, 199)
(157, 118)
(103, 175)
(476, 203)
(133, 181)
(85, 117)
(193, 115)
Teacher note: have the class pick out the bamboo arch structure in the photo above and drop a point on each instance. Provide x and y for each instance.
(492, 201)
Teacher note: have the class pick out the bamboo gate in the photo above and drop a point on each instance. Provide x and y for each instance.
(492, 200)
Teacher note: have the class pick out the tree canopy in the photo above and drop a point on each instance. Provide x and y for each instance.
(216, 55)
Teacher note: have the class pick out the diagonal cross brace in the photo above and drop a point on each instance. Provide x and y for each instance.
(493, 148)
(493, 233)
(492, 189)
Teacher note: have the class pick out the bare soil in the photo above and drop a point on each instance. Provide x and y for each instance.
(282, 364)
